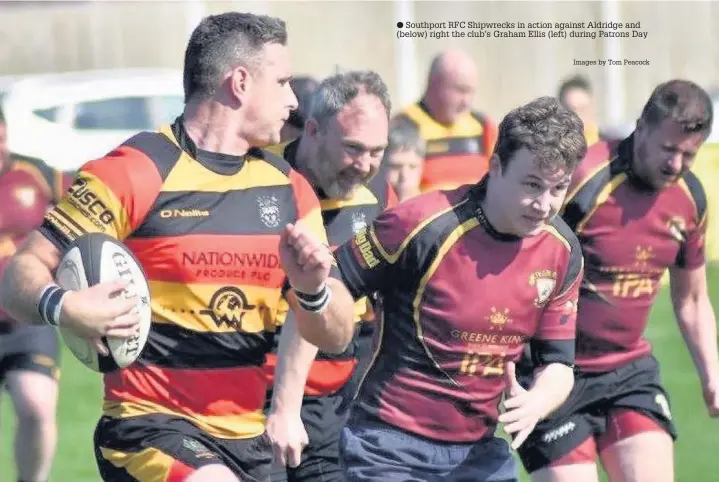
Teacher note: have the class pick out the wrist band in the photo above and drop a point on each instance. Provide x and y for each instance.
(50, 304)
(314, 303)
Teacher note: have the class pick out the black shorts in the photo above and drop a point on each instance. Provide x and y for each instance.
(324, 418)
(636, 386)
(28, 347)
(162, 447)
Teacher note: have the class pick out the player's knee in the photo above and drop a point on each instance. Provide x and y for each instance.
(35, 399)
(214, 473)
(625, 424)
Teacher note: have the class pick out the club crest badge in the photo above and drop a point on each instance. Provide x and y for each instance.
(359, 222)
(269, 211)
(544, 281)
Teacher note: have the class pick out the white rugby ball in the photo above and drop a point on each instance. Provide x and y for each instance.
(97, 258)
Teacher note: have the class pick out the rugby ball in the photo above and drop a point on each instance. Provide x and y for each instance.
(97, 258)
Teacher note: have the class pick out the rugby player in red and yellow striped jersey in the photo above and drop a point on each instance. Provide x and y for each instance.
(219, 227)
(459, 140)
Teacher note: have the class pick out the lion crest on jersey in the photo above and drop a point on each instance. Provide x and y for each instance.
(677, 228)
(544, 281)
(359, 222)
(269, 211)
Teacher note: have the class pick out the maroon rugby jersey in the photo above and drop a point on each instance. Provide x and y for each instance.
(459, 301)
(26, 191)
(630, 235)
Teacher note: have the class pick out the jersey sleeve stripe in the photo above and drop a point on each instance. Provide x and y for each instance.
(394, 256)
(133, 180)
(695, 192)
(575, 267)
(589, 177)
(554, 232)
(601, 198)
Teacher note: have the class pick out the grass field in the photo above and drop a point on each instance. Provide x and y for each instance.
(696, 450)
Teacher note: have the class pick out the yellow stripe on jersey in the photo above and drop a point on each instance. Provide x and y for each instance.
(250, 309)
(91, 206)
(360, 197)
(429, 129)
(249, 424)
(255, 173)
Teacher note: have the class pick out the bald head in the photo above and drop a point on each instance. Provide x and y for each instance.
(451, 86)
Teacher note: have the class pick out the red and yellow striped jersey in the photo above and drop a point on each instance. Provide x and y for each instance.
(206, 229)
(456, 154)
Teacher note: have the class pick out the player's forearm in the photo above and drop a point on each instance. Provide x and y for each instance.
(697, 323)
(332, 329)
(25, 277)
(552, 385)
(294, 359)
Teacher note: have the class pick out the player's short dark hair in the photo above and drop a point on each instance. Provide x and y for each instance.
(304, 88)
(684, 102)
(221, 42)
(340, 89)
(579, 82)
(553, 133)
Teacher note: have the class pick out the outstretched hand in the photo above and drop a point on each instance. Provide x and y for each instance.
(523, 408)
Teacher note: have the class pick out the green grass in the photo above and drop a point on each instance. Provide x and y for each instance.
(696, 457)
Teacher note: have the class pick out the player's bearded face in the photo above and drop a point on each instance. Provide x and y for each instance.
(339, 176)
(351, 146)
(664, 152)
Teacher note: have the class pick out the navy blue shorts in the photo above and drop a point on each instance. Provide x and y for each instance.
(372, 451)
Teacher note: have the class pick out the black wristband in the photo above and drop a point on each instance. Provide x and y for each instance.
(49, 303)
(314, 303)
(312, 298)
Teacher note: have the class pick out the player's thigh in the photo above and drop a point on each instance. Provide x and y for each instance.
(152, 448)
(640, 404)
(639, 441)
(645, 457)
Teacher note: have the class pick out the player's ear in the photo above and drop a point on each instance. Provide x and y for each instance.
(238, 83)
(495, 167)
(311, 128)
